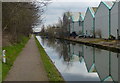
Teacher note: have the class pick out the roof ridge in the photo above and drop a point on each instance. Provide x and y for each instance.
(105, 3)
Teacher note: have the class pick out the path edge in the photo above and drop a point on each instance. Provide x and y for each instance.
(58, 75)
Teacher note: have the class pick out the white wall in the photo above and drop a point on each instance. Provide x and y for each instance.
(114, 20)
(102, 21)
(77, 27)
(81, 25)
(119, 16)
(81, 28)
(88, 23)
(71, 27)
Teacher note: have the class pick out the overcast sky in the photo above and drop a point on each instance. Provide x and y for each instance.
(57, 7)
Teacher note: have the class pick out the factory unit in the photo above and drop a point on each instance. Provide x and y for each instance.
(102, 20)
(89, 28)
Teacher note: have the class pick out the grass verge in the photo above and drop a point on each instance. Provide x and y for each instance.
(51, 70)
(11, 53)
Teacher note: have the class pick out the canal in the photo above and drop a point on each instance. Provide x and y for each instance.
(78, 62)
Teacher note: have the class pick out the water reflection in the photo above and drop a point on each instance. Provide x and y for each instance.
(77, 62)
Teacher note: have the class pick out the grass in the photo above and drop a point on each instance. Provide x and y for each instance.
(11, 53)
(96, 41)
(0, 72)
(0, 64)
(51, 70)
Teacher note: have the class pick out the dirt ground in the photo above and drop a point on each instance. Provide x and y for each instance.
(109, 43)
(28, 65)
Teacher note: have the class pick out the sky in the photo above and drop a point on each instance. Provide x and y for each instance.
(56, 8)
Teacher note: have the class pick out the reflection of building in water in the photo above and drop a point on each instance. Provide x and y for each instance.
(119, 64)
(102, 63)
(76, 51)
(71, 49)
(65, 52)
(114, 66)
(89, 54)
(73, 54)
(106, 64)
(68, 47)
(81, 53)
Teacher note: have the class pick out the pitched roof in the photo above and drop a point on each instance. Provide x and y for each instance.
(75, 16)
(92, 10)
(67, 15)
(82, 14)
(114, 3)
(109, 4)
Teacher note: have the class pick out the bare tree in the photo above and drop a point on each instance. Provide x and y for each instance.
(18, 18)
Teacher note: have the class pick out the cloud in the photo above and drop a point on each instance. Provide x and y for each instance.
(56, 10)
(58, 7)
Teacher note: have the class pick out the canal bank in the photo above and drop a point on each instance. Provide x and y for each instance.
(52, 72)
(111, 45)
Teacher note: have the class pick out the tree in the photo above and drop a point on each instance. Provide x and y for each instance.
(18, 18)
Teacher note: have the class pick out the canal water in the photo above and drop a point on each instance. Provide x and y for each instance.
(78, 62)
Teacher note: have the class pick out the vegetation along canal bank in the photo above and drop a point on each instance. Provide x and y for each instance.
(12, 52)
(52, 72)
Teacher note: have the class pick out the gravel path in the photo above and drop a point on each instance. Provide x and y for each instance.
(28, 65)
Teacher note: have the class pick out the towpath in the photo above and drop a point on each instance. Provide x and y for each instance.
(28, 66)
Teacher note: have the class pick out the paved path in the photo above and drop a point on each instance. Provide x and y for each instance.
(28, 65)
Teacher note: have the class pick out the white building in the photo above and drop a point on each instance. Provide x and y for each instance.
(81, 23)
(89, 21)
(102, 20)
(114, 20)
(119, 18)
(74, 22)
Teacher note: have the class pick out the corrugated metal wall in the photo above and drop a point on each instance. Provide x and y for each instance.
(102, 22)
(88, 24)
(114, 20)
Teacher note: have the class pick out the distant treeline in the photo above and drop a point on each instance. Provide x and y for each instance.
(18, 19)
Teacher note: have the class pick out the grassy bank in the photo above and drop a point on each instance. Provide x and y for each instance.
(51, 70)
(11, 53)
(0, 72)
